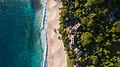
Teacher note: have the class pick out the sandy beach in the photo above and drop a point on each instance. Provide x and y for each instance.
(56, 54)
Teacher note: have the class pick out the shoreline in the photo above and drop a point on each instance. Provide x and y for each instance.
(44, 42)
(55, 46)
(43, 35)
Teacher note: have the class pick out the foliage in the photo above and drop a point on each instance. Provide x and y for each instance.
(70, 62)
(99, 37)
(116, 27)
(94, 2)
(85, 20)
(86, 38)
(76, 4)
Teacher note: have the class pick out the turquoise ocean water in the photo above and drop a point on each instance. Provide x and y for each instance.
(21, 23)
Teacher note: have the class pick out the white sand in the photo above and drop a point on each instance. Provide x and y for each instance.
(56, 54)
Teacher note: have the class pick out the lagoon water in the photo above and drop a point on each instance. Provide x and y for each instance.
(20, 44)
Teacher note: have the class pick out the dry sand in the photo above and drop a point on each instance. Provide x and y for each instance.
(56, 54)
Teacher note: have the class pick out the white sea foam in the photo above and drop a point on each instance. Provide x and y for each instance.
(41, 18)
(43, 33)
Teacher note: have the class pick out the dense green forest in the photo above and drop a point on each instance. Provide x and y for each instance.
(98, 38)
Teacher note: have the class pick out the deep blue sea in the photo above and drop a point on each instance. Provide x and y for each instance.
(20, 43)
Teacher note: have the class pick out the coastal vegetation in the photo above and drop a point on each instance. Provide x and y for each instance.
(90, 31)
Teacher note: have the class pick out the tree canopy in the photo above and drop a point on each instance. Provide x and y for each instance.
(86, 38)
(97, 43)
